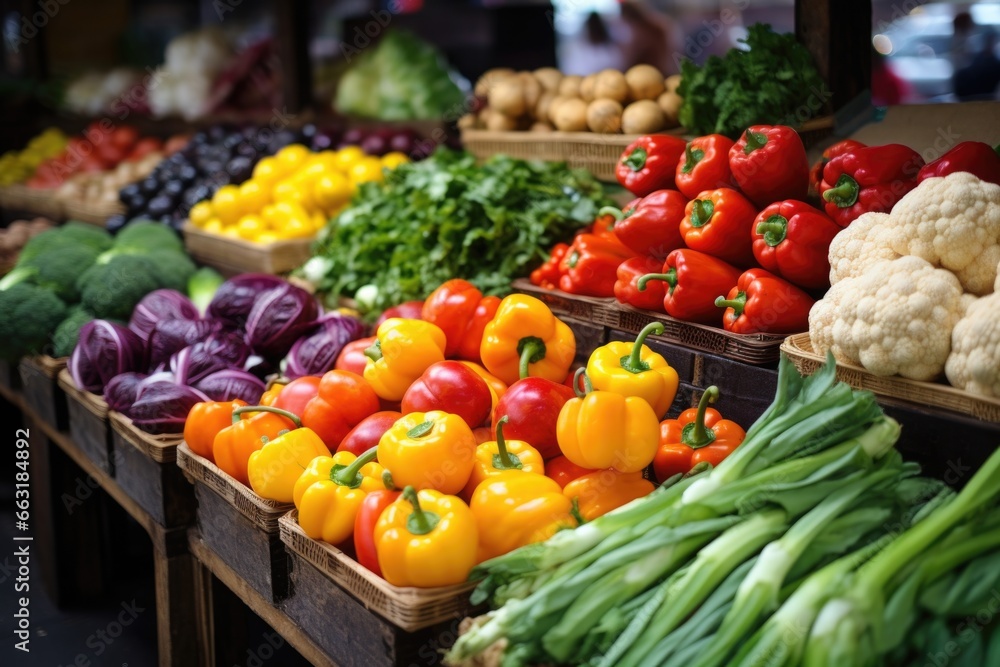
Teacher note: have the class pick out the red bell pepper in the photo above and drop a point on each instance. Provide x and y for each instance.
(769, 164)
(364, 527)
(462, 312)
(352, 358)
(296, 394)
(652, 225)
(563, 471)
(704, 165)
(762, 302)
(792, 239)
(453, 387)
(975, 157)
(590, 267)
(627, 288)
(648, 163)
(692, 280)
(719, 223)
(868, 179)
(344, 399)
(816, 172)
(368, 431)
(698, 435)
(532, 407)
(547, 275)
(607, 217)
(408, 310)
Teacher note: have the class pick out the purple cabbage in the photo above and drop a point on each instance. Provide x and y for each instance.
(316, 353)
(230, 384)
(227, 345)
(104, 350)
(161, 304)
(235, 298)
(162, 406)
(120, 393)
(171, 336)
(278, 318)
(194, 362)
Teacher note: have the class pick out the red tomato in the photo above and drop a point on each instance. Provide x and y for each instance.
(144, 148)
(176, 143)
(124, 136)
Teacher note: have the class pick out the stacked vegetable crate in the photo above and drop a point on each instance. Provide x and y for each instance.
(88, 423)
(42, 393)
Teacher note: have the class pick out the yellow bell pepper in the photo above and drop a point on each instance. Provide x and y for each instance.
(402, 351)
(514, 508)
(330, 491)
(524, 338)
(432, 450)
(607, 430)
(497, 456)
(426, 539)
(632, 369)
(276, 467)
(271, 395)
(601, 491)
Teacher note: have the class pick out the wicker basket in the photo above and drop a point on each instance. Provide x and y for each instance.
(33, 200)
(800, 350)
(231, 256)
(95, 213)
(408, 608)
(595, 152)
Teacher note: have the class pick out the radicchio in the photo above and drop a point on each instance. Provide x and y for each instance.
(278, 318)
(230, 384)
(161, 304)
(104, 350)
(235, 298)
(316, 353)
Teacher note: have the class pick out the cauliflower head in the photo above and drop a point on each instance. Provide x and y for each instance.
(896, 318)
(974, 362)
(952, 222)
(865, 241)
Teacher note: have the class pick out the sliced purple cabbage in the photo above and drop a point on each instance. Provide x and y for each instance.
(316, 353)
(104, 350)
(161, 304)
(230, 384)
(278, 318)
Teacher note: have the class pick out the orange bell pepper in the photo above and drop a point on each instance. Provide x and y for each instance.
(496, 456)
(204, 421)
(234, 444)
(698, 435)
(601, 491)
(525, 338)
(564, 471)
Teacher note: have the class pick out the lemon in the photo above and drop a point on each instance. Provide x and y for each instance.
(213, 226)
(254, 196)
(348, 156)
(250, 227)
(292, 157)
(366, 169)
(201, 213)
(287, 191)
(226, 204)
(332, 190)
(394, 159)
(268, 171)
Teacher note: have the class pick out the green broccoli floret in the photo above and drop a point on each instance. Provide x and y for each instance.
(44, 243)
(95, 237)
(110, 288)
(30, 314)
(147, 236)
(56, 270)
(68, 332)
(172, 269)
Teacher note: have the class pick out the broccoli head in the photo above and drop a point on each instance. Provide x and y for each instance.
(110, 289)
(68, 332)
(147, 236)
(30, 313)
(56, 270)
(172, 270)
(89, 235)
(44, 243)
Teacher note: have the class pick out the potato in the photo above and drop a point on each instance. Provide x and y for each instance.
(570, 115)
(604, 116)
(587, 87)
(549, 77)
(642, 117)
(570, 86)
(610, 84)
(541, 110)
(467, 122)
(541, 126)
(645, 82)
(532, 90)
(671, 82)
(498, 122)
(553, 106)
(507, 97)
(490, 78)
(670, 104)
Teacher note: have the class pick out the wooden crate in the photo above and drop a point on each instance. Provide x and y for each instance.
(88, 423)
(231, 256)
(10, 378)
(800, 350)
(94, 213)
(42, 393)
(145, 468)
(238, 525)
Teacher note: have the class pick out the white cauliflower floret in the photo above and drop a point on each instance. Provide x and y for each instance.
(896, 318)
(952, 222)
(868, 239)
(996, 285)
(974, 362)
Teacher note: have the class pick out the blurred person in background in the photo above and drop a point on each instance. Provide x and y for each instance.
(888, 88)
(981, 77)
(962, 48)
(593, 50)
(651, 37)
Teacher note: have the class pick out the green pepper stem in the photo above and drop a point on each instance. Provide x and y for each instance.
(574, 511)
(774, 229)
(701, 212)
(374, 351)
(387, 481)
(266, 408)
(420, 522)
(700, 435)
(737, 304)
(636, 160)
(669, 277)
(613, 211)
(844, 193)
(349, 476)
(505, 459)
(532, 350)
(692, 158)
(634, 363)
(588, 386)
(755, 140)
